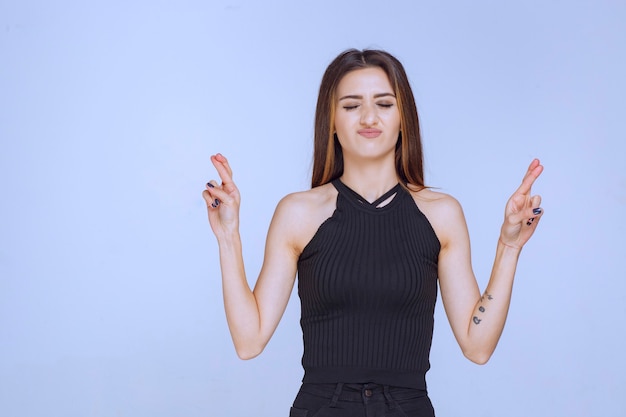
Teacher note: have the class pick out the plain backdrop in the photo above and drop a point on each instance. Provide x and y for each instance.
(110, 293)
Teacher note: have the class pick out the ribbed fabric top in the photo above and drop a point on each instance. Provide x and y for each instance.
(367, 283)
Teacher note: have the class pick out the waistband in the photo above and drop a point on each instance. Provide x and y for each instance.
(359, 392)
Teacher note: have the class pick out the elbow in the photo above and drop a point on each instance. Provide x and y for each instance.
(246, 353)
(478, 357)
(479, 360)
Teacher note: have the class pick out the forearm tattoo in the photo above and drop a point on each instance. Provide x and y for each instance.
(482, 308)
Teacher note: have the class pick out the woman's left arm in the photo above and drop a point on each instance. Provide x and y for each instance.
(477, 320)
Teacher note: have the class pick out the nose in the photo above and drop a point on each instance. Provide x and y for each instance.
(369, 115)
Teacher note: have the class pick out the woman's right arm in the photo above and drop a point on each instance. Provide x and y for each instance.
(252, 316)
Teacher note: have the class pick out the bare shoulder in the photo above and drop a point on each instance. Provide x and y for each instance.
(443, 211)
(305, 200)
(301, 213)
(436, 204)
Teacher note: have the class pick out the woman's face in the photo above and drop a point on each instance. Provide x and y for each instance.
(367, 119)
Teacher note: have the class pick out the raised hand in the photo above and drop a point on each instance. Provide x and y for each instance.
(522, 212)
(223, 200)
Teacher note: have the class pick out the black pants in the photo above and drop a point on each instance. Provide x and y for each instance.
(360, 400)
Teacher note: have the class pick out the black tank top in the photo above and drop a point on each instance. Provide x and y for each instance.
(367, 283)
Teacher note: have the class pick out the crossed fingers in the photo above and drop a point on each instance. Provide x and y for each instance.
(226, 175)
(534, 170)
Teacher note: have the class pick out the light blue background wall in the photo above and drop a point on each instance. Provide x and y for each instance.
(110, 295)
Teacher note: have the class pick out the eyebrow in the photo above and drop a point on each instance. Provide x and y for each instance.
(357, 97)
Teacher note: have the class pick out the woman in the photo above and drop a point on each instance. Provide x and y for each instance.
(369, 241)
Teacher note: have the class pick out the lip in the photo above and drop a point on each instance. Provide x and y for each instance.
(370, 133)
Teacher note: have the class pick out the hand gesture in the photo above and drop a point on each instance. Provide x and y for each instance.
(522, 212)
(222, 201)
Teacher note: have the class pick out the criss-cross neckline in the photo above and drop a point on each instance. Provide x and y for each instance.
(374, 205)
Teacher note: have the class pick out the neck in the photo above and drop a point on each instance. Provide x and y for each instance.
(370, 180)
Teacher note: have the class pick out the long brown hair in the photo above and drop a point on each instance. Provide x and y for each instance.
(327, 155)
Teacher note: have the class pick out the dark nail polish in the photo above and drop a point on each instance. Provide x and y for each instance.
(208, 184)
(528, 223)
(536, 211)
(217, 202)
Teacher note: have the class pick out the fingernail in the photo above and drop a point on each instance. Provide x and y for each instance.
(208, 184)
(529, 222)
(536, 211)
(217, 202)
